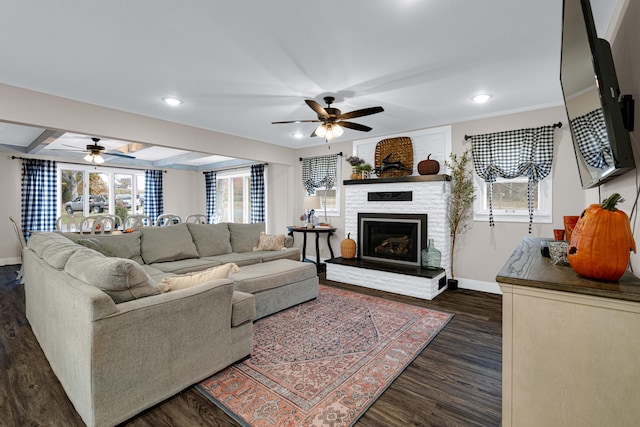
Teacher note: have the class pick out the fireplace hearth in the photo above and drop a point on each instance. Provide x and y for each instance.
(392, 237)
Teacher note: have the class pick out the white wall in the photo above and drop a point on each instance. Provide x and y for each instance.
(10, 171)
(184, 193)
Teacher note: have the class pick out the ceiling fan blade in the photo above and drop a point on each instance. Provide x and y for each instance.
(354, 126)
(313, 134)
(297, 121)
(360, 113)
(322, 113)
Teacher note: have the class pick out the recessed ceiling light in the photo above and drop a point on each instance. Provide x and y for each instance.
(482, 98)
(298, 135)
(170, 100)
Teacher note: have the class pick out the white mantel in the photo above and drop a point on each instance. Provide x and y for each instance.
(428, 196)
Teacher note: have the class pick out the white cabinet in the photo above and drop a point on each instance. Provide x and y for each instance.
(569, 358)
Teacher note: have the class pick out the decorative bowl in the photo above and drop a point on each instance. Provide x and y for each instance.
(558, 250)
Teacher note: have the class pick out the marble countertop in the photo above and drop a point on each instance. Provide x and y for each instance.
(527, 267)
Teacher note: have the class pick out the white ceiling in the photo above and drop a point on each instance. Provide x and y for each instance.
(239, 65)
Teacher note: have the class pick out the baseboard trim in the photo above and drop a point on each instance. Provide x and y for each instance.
(10, 261)
(478, 285)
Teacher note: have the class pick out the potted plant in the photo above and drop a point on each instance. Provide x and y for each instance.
(460, 201)
(364, 170)
(355, 162)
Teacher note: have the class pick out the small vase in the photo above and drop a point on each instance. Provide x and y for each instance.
(366, 174)
(431, 256)
(354, 173)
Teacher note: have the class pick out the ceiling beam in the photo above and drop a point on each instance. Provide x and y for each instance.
(180, 158)
(44, 139)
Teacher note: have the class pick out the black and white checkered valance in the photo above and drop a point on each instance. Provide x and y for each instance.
(319, 171)
(510, 154)
(590, 132)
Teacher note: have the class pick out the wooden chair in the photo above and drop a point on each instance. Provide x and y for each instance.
(197, 219)
(69, 223)
(168, 219)
(137, 221)
(23, 244)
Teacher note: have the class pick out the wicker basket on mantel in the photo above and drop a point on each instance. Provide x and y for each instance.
(401, 151)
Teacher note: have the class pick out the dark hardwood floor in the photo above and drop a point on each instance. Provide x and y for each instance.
(455, 381)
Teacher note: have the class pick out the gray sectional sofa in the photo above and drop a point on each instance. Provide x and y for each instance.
(118, 345)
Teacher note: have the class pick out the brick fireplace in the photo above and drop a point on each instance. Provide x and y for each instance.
(410, 197)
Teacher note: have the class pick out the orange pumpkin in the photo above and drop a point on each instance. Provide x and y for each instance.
(348, 248)
(601, 241)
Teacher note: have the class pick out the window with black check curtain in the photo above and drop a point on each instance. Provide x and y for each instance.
(511, 154)
(319, 172)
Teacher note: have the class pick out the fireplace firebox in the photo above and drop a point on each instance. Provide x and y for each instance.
(397, 238)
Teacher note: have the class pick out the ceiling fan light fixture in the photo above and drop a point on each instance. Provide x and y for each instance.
(88, 158)
(337, 130)
(98, 159)
(321, 131)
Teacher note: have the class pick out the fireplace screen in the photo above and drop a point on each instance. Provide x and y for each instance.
(395, 238)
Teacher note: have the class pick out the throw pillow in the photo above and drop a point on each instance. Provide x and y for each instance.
(188, 280)
(271, 242)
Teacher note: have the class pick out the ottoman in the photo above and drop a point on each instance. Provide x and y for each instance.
(278, 284)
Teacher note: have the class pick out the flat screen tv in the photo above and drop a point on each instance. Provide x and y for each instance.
(592, 99)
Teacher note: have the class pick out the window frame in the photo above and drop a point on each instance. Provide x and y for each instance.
(245, 174)
(86, 171)
(542, 215)
(335, 212)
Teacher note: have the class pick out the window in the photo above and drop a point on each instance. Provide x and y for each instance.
(330, 199)
(233, 202)
(86, 190)
(510, 200)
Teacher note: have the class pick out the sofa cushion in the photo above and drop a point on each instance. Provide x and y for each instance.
(211, 239)
(247, 258)
(125, 245)
(268, 275)
(53, 248)
(193, 279)
(122, 279)
(287, 253)
(171, 243)
(245, 237)
(270, 242)
(186, 265)
(243, 308)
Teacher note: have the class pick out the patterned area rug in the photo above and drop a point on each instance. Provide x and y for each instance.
(324, 362)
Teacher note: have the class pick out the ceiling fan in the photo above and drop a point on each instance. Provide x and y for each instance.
(95, 152)
(333, 120)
